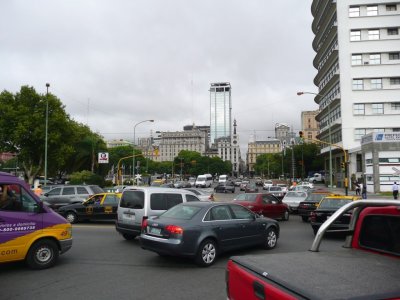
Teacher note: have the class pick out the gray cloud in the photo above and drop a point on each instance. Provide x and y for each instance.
(115, 63)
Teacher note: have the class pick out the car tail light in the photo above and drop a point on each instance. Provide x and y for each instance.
(211, 197)
(144, 223)
(173, 229)
(313, 216)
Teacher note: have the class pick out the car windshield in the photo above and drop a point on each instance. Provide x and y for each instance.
(329, 203)
(246, 197)
(183, 212)
(296, 194)
(275, 188)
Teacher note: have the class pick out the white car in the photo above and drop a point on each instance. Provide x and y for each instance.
(293, 199)
(267, 184)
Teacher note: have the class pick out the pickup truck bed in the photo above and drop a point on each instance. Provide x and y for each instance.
(362, 273)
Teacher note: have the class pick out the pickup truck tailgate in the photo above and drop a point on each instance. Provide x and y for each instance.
(344, 274)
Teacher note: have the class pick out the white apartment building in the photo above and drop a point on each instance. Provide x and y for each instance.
(357, 46)
(171, 143)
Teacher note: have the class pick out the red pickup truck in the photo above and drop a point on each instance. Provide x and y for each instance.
(367, 267)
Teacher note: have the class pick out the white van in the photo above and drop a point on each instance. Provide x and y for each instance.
(140, 203)
(222, 178)
(205, 180)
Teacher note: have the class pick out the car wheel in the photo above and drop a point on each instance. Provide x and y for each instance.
(271, 238)
(285, 216)
(207, 253)
(71, 217)
(42, 254)
(304, 218)
(129, 237)
(233, 191)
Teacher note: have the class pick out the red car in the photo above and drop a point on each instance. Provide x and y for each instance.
(264, 204)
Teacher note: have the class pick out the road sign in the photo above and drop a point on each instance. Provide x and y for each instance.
(103, 158)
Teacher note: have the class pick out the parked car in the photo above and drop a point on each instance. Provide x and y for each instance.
(69, 194)
(327, 207)
(192, 181)
(267, 184)
(225, 187)
(98, 207)
(276, 191)
(259, 181)
(202, 194)
(293, 198)
(237, 182)
(251, 188)
(139, 203)
(204, 230)
(310, 203)
(263, 204)
(243, 184)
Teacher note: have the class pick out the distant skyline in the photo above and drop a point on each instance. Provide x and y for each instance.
(116, 63)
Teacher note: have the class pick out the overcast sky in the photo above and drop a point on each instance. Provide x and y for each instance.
(114, 63)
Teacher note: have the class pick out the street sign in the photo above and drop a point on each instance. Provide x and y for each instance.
(103, 158)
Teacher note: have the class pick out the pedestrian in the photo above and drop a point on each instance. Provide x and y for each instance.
(358, 189)
(38, 191)
(363, 190)
(395, 189)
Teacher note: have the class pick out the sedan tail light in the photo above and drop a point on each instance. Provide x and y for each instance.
(173, 229)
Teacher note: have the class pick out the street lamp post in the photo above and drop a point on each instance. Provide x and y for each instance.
(133, 148)
(329, 133)
(45, 138)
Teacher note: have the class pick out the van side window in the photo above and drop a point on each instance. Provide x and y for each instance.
(132, 199)
(381, 233)
(159, 201)
(68, 191)
(191, 198)
(80, 190)
(15, 198)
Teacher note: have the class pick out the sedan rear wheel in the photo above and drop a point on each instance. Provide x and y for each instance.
(272, 239)
(71, 217)
(286, 216)
(207, 253)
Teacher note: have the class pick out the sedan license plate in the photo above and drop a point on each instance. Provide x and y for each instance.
(154, 230)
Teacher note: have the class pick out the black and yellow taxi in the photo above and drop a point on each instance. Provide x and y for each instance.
(327, 207)
(102, 206)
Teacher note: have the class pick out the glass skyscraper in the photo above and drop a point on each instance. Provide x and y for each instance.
(220, 111)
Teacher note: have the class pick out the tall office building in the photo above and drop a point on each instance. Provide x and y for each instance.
(220, 111)
(357, 46)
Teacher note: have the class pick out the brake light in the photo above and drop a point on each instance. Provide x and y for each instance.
(173, 229)
(211, 197)
(144, 223)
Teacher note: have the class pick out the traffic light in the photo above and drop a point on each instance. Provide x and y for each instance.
(343, 165)
(301, 134)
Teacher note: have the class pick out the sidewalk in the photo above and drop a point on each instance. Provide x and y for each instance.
(342, 191)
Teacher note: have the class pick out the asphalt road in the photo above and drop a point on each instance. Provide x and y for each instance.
(102, 265)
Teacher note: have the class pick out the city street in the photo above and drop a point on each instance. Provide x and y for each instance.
(102, 265)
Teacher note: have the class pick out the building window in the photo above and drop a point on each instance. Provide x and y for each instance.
(356, 59)
(395, 81)
(355, 35)
(373, 34)
(354, 11)
(372, 10)
(358, 133)
(395, 105)
(394, 55)
(377, 108)
(391, 7)
(393, 31)
(358, 84)
(374, 59)
(359, 109)
(376, 84)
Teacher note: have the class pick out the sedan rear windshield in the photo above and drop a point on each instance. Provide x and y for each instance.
(275, 189)
(132, 199)
(246, 197)
(333, 203)
(183, 212)
(315, 197)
